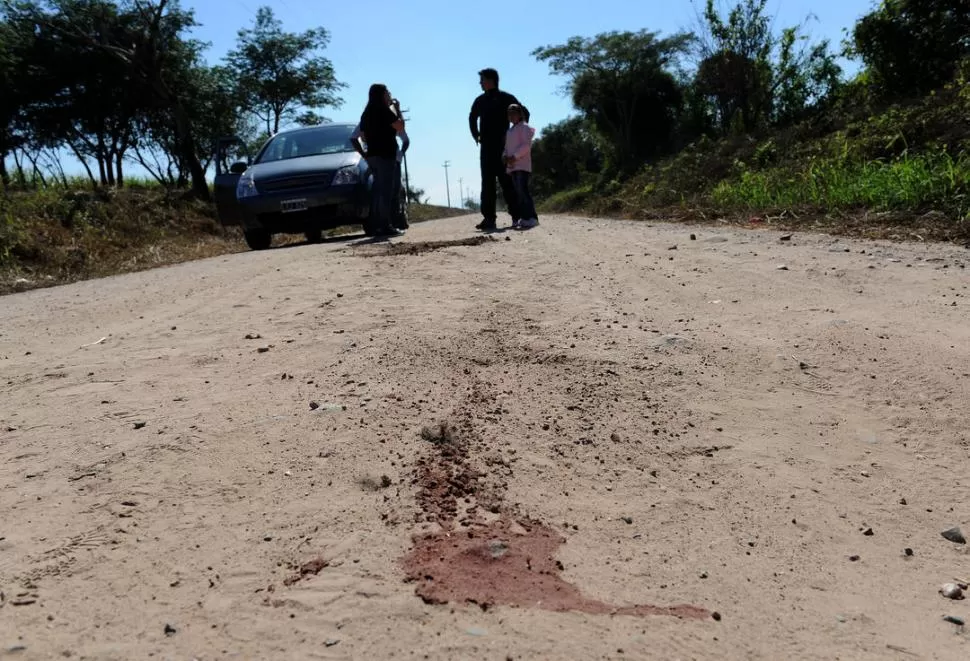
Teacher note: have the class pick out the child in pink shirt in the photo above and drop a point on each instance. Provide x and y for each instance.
(518, 163)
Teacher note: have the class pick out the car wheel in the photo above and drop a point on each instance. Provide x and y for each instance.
(258, 239)
(314, 235)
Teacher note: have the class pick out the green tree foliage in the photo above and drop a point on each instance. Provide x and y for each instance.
(563, 155)
(279, 73)
(911, 47)
(753, 77)
(11, 100)
(115, 82)
(623, 83)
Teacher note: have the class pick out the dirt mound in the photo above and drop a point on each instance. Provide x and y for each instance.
(421, 247)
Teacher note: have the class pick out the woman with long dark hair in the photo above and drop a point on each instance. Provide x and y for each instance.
(379, 125)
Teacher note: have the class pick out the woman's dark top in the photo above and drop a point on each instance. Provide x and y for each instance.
(381, 137)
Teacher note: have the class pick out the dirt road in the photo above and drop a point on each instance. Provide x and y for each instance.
(653, 448)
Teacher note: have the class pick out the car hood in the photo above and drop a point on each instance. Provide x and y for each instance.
(304, 165)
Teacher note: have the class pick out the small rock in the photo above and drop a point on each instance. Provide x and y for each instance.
(254, 336)
(628, 520)
(508, 238)
(674, 247)
(16, 649)
(129, 503)
(331, 642)
(954, 535)
(954, 620)
(314, 406)
(716, 616)
(267, 538)
(140, 425)
(782, 267)
(262, 349)
(693, 237)
(787, 237)
(951, 591)
(908, 552)
(475, 631)
(868, 532)
(853, 558)
(497, 549)
(902, 501)
(170, 630)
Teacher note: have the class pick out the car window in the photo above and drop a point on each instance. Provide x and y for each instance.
(308, 142)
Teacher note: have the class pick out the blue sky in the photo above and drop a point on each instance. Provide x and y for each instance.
(429, 51)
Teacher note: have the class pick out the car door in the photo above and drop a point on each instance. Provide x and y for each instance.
(231, 160)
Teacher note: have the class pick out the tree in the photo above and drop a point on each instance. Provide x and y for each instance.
(81, 94)
(416, 195)
(214, 113)
(101, 69)
(279, 73)
(753, 77)
(911, 47)
(623, 83)
(562, 155)
(12, 101)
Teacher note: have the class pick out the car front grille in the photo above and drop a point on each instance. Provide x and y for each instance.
(316, 180)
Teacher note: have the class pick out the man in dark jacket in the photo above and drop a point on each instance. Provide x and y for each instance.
(489, 122)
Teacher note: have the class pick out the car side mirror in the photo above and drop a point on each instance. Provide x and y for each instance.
(238, 167)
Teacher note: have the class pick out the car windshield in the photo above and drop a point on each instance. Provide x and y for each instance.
(308, 142)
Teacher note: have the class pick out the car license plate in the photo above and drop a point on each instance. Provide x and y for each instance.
(289, 206)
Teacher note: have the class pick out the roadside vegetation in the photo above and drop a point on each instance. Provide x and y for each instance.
(756, 123)
(55, 234)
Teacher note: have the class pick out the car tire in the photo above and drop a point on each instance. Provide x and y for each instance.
(314, 235)
(258, 239)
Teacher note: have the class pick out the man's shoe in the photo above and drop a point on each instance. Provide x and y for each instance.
(486, 225)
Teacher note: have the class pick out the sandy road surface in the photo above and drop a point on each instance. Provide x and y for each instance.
(701, 427)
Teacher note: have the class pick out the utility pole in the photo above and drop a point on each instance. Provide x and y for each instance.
(461, 191)
(447, 185)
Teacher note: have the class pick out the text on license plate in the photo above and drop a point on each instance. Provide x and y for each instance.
(289, 206)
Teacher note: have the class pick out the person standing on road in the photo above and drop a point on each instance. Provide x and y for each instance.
(489, 122)
(379, 125)
(400, 216)
(518, 161)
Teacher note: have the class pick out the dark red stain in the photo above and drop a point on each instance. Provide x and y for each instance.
(502, 563)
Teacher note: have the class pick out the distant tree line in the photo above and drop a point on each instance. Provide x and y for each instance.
(641, 96)
(121, 82)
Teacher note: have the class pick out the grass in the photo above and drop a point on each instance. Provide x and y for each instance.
(933, 181)
(59, 234)
(887, 172)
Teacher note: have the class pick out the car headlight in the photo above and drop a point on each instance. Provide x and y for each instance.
(246, 187)
(346, 176)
